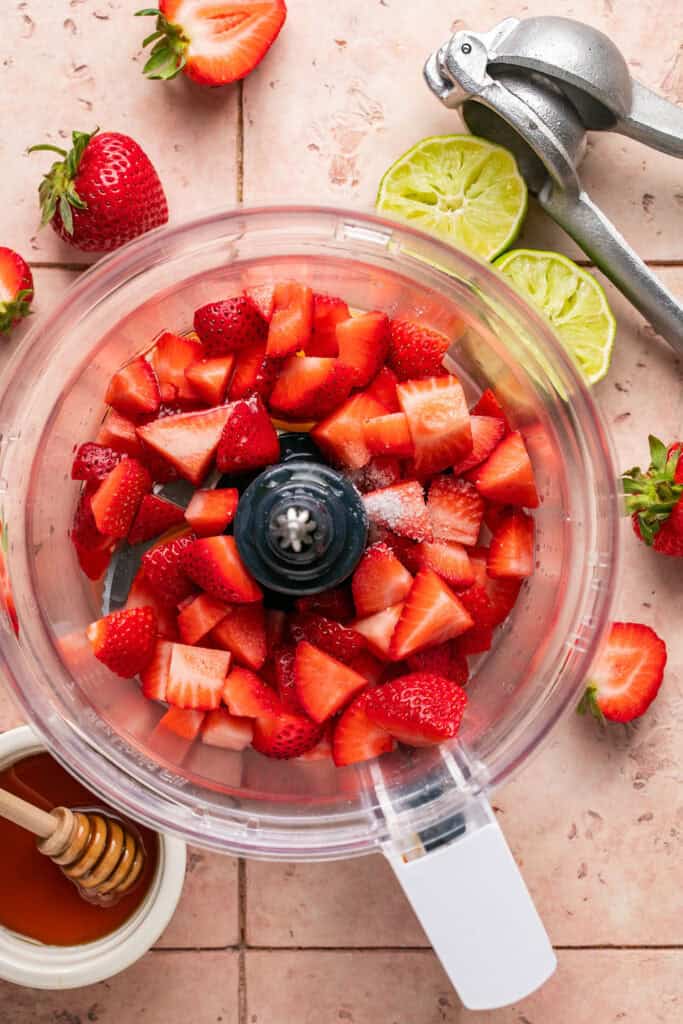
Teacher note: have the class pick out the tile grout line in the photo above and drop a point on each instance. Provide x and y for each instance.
(242, 1008)
(242, 949)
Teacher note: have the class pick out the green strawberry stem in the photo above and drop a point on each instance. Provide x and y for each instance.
(589, 703)
(14, 309)
(169, 53)
(651, 496)
(57, 190)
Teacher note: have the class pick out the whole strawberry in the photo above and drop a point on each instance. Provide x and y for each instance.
(654, 499)
(16, 288)
(103, 193)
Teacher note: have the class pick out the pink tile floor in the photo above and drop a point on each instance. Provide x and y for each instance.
(596, 821)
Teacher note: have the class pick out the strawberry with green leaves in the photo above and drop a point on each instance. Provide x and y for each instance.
(654, 499)
(627, 675)
(16, 289)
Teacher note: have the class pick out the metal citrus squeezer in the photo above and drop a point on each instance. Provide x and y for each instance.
(536, 86)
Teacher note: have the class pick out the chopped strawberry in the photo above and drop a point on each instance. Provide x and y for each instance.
(141, 593)
(495, 514)
(162, 568)
(245, 693)
(322, 751)
(450, 560)
(309, 387)
(276, 621)
(507, 475)
(379, 581)
(243, 632)
(439, 422)
(154, 677)
(134, 390)
(356, 738)
(455, 510)
(511, 552)
(199, 616)
(249, 439)
(502, 595)
(228, 325)
(368, 666)
(154, 516)
(209, 377)
(406, 550)
(283, 663)
(627, 675)
(480, 636)
(328, 311)
(488, 405)
(214, 564)
(93, 462)
(263, 297)
(487, 432)
(341, 436)
(419, 709)
(416, 351)
(171, 356)
(285, 735)
(116, 500)
(331, 637)
(124, 641)
(478, 559)
(389, 435)
(196, 677)
(363, 345)
(185, 724)
(378, 629)
(401, 509)
(442, 660)
(380, 471)
(209, 512)
(383, 389)
(254, 374)
(120, 434)
(292, 321)
(188, 441)
(229, 732)
(93, 549)
(431, 615)
(323, 684)
(335, 603)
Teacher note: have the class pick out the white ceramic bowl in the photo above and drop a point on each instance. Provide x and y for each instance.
(36, 965)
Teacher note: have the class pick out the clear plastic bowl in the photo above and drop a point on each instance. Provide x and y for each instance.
(102, 728)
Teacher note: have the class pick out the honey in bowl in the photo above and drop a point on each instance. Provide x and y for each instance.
(36, 900)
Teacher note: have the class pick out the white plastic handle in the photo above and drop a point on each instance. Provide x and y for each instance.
(478, 915)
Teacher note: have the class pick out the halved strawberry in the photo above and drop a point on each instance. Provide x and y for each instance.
(333, 638)
(455, 510)
(162, 568)
(341, 436)
(171, 356)
(450, 560)
(511, 552)
(283, 666)
(229, 732)
(507, 475)
(154, 516)
(16, 288)
(209, 377)
(214, 564)
(119, 434)
(383, 389)
(292, 321)
(209, 512)
(328, 311)
(335, 603)
(263, 297)
(356, 738)
(196, 677)
(389, 435)
(285, 735)
(228, 325)
(116, 500)
(124, 641)
(363, 345)
(92, 462)
(379, 581)
(416, 351)
(378, 630)
(185, 724)
(154, 677)
(627, 674)
(243, 632)
(401, 509)
(249, 439)
(141, 593)
(254, 374)
(188, 441)
(199, 616)
(487, 432)
(419, 709)
(488, 405)
(323, 684)
(134, 390)
(431, 615)
(439, 422)
(246, 694)
(380, 471)
(442, 660)
(309, 388)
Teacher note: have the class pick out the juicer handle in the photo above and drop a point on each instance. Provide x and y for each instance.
(478, 915)
(654, 121)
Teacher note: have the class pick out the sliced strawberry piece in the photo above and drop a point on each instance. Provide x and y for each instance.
(93, 549)
(379, 581)
(249, 439)
(188, 441)
(115, 502)
(478, 558)
(328, 311)
(196, 677)
(154, 677)
(356, 738)
(507, 475)
(120, 434)
(214, 564)
(442, 660)
(368, 666)
(455, 510)
(488, 405)
(363, 345)
(185, 724)
(171, 356)
(292, 321)
(283, 664)
(276, 620)
(209, 377)
(331, 637)
(627, 674)
(141, 593)
(245, 693)
(407, 551)
(310, 388)
(209, 512)
(124, 641)
(199, 616)
(254, 374)
(154, 516)
(487, 433)
(511, 552)
(480, 637)
(243, 632)
(419, 709)
(383, 389)
(431, 615)
(495, 514)
(341, 436)
(401, 509)
(93, 462)
(323, 684)
(378, 630)
(162, 568)
(228, 325)
(335, 603)
(134, 390)
(229, 732)
(439, 422)
(381, 471)
(450, 560)
(502, 595)
(389, 435)
(285, 736)
(263, 297)
(416, 351)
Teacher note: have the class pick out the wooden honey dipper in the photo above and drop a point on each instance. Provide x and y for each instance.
(103, 857)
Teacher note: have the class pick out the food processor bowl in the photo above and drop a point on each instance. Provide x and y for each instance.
(417, 806)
